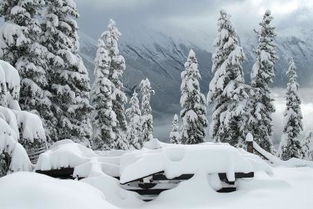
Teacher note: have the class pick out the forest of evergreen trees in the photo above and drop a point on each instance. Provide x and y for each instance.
(39, 38)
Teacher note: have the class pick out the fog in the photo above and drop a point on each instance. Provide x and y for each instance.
(163, 124)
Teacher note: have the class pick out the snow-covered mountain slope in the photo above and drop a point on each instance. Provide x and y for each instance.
(161, 57)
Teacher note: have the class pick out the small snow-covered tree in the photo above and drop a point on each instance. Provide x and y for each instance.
(261, 103)
(68, 77)
(20, 45)
(134, 130)
(103, 117)
(227, 90)
(116, 69)
(307, 146)
(146, 110)
(175, 137)
(290, 145)
(193, 103)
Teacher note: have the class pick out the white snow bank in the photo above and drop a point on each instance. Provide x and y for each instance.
(35, 191)
(112, 191)
(293, 162)
(64, 153)
(85, 161)
(288, 188)
(175, 160)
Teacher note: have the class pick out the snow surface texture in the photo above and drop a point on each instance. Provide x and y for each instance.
(286, 188)
(48, 193)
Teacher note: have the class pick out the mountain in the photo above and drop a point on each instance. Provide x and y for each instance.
(160, 58)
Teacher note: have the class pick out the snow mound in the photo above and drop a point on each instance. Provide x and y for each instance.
(113, 192)
(293, 162)
(175, 160)
(286, 188)
(35, 191)
(64, 154)
(86, 162)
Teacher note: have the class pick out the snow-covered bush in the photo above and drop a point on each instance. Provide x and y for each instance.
(17, 127)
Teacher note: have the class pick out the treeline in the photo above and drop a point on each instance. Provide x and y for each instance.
(39, 38)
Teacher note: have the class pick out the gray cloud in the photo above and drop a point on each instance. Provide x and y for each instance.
(187, 15)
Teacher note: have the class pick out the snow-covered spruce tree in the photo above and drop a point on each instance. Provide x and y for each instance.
(146, 110)
(175, 136)
(193, 103)
(16, 126)
(68, 77)
(103, 117)
(134, 130)
(290, 145)
(307, 146)
(261, 103)
(20, 46)
(116, 69)
(227, 91)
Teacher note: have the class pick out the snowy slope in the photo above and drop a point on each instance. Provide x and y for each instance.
(160, 57)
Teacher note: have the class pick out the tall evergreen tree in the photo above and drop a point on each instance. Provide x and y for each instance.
(175, 137)
(68, 77)
(261, 103)
(193, 103)
(116, 69)
(134, 130)
(146, 110)
(20, 46)
(227, 91)
(290, 145)
(103, 116)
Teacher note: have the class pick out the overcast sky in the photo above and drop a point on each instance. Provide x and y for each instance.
(188, 15)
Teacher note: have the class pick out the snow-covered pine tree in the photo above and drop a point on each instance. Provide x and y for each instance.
(261, 102)
(146, 110)
(290, 145)
(227, 90)
(20, 46)
(307, 146)
(116, 70)
(193, 103)
(133, 113)
(103, 117)
(175, 136)
(68, 77)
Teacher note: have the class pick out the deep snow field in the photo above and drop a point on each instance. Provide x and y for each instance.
(287, 188)
(282, 184)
